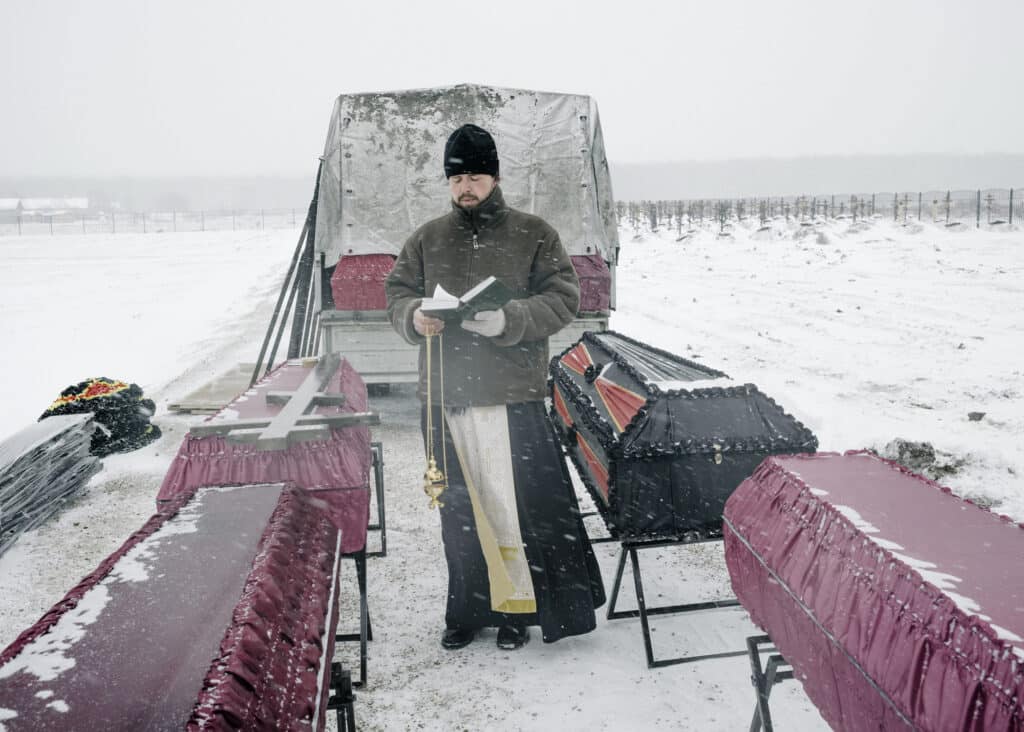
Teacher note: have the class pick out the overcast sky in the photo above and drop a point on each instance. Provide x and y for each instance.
(192, 87)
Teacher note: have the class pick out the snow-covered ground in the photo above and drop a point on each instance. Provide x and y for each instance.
(150, 308)
(866, 332)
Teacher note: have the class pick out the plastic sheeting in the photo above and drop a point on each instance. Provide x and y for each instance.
(42, 467)
(337, 470)
(898, 604)
(383, 175)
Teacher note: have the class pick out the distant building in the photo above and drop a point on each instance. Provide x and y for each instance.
(52, 206)
(13, 208)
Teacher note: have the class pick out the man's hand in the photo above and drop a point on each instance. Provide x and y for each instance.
(426, 325)
(490, 323)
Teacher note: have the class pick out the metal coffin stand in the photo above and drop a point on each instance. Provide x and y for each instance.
(661, 442)
(630, 547)
(764, 678)
(342, 699)
(365, 633)
(378, 479)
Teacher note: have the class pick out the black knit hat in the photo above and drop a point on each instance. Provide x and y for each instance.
(470, 149)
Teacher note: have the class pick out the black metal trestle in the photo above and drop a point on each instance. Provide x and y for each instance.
(378, 478)
(365, 628)
(630, 547)
(342, 698)
(341, 679)
(764, 678)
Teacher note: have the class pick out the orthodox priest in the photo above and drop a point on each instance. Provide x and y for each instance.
(514, 542)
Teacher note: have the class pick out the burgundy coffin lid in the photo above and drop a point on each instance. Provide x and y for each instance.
(358, 282)
(595, 283)
(336, 470)
(217, 614)
(897, 603)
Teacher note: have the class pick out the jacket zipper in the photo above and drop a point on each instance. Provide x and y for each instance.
(470, 271)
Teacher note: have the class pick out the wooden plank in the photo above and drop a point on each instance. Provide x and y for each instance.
(213, 395)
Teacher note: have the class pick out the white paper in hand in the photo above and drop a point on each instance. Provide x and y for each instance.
(440, 303)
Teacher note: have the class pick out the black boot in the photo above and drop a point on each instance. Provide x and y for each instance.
(513, 637)
(455, 638)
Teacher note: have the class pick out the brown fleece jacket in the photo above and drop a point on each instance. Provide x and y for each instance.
(457, 251)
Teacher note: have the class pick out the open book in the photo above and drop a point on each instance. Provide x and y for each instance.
(489, 294)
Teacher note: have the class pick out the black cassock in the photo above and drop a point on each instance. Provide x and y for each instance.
(566, 578)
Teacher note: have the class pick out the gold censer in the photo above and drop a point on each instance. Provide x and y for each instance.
(434, 480)
(434, 483)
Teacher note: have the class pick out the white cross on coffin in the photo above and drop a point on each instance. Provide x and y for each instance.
(293, 423)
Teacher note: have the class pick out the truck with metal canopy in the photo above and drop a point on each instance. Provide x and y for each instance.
(382, 176)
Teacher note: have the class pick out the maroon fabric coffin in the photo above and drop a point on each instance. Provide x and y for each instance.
(595, 283)
(358, 282)
(217, 614)
(337, 470)
(898, 604)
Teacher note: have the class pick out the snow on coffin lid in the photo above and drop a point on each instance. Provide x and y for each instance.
(898, 604)
(336, 469)
(217, 614)
(661, 441)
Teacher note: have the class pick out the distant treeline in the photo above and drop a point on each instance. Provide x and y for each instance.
(990, 207)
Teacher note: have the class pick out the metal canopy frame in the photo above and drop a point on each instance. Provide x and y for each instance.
(296, 289)
(630, 547)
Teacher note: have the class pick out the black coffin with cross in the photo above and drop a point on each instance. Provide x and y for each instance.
(660, 441)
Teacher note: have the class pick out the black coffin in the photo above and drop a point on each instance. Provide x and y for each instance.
(661, 442)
